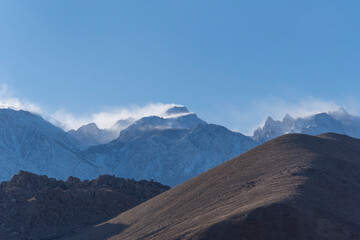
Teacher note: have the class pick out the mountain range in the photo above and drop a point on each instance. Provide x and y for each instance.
(338, 121)
(171, 148)
(294, 186)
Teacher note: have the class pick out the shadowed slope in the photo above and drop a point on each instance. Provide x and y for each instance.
(38, 207)
(293, 187)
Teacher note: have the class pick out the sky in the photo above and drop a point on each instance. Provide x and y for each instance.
(231, 62)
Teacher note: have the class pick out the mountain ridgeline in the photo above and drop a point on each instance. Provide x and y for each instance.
(338, 121)
(171, 148)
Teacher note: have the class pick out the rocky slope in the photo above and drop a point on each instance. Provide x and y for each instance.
(293, 187)
(38, 207)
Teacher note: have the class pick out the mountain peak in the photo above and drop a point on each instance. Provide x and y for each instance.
(338, 121)
(269, 120)
(123, 123)
(91, 127)
(339, 112)
(177, 110)
(287, 117)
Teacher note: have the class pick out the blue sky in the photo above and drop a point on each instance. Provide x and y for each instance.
(232, 62)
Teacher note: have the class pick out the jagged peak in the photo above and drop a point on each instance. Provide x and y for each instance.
(89, 126)
(177, 110)
(269, 120)
(287, 117)
(130, 119)
(123, 123)
(339, 112)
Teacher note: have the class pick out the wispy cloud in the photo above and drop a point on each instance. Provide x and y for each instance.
(7, 100)
(67, 120)
(246, 118)
(277, 107)
(243, 118)
(105, 119)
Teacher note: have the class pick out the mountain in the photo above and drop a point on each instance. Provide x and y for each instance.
(29, 142)
(293, 187)
(177, 110)
(91, 135)
(169, 150)
(121, 125)
(38, 207)
(336, 121)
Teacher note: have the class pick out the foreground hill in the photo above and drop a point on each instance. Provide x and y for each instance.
(293, 187)
(38, 207)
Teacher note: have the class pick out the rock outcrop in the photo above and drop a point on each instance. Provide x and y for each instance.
(38, 207)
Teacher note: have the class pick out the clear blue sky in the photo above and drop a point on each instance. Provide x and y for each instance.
(222, 59)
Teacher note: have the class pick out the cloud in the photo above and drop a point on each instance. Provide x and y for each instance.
(106, 119)
(68, 120)
(244, 118)
(277, 108)
(7, 100)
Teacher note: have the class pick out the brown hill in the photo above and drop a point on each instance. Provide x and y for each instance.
(38, 207)
(293, 187)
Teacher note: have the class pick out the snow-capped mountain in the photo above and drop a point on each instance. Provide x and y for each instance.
(338, 121)
(28, 142)
(170, 150)
(90, 134)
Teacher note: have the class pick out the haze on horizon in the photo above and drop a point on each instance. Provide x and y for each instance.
(233, 63)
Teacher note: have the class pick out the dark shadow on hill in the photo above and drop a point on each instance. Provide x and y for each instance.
(100, 232)
(281, 222)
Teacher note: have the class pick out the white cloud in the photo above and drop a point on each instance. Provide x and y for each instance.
(68, 120)
(106, 119)
(249, 116)
(243, 118)
(7, 100)
(277, 108)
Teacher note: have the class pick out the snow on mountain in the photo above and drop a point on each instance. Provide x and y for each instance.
(171, 148)
(28, 142)
(168, 150)
(122, 124)
(338, 121)
(91, 135)
(177, 110)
